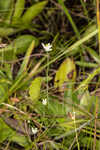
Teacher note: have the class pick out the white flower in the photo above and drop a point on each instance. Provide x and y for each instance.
(73, 117)
(44, 101)
(28, 121)
(34, 130)
(47, 47)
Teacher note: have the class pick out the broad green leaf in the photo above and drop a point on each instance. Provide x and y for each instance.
(6, 31)
(65, 73)
(18, 46)
(22, 43)
(33, 11)
(19, 7)
(5, 131)
(34, 89)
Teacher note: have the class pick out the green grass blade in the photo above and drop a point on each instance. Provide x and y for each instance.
(86, 64)
(19, 7)
(69, 18)
(33, 11)
(94, 55)
(84, 83)
(26, 59)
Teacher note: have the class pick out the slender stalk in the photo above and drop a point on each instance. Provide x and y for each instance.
(98, 22)
(47, 74)
(95, 125)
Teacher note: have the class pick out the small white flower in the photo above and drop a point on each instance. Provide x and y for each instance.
(34, 130)
(47, 47)
(44, 101)
(73, 117)
(28, 121)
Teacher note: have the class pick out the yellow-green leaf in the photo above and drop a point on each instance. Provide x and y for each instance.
(18, 46)
(65, 73)
(85, 100)
(4, 8)
(34, 89)
(33, 11)
(84, 84)
(19, 7)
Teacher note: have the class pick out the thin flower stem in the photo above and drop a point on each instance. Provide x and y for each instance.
(98, 22)
(47, 74)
